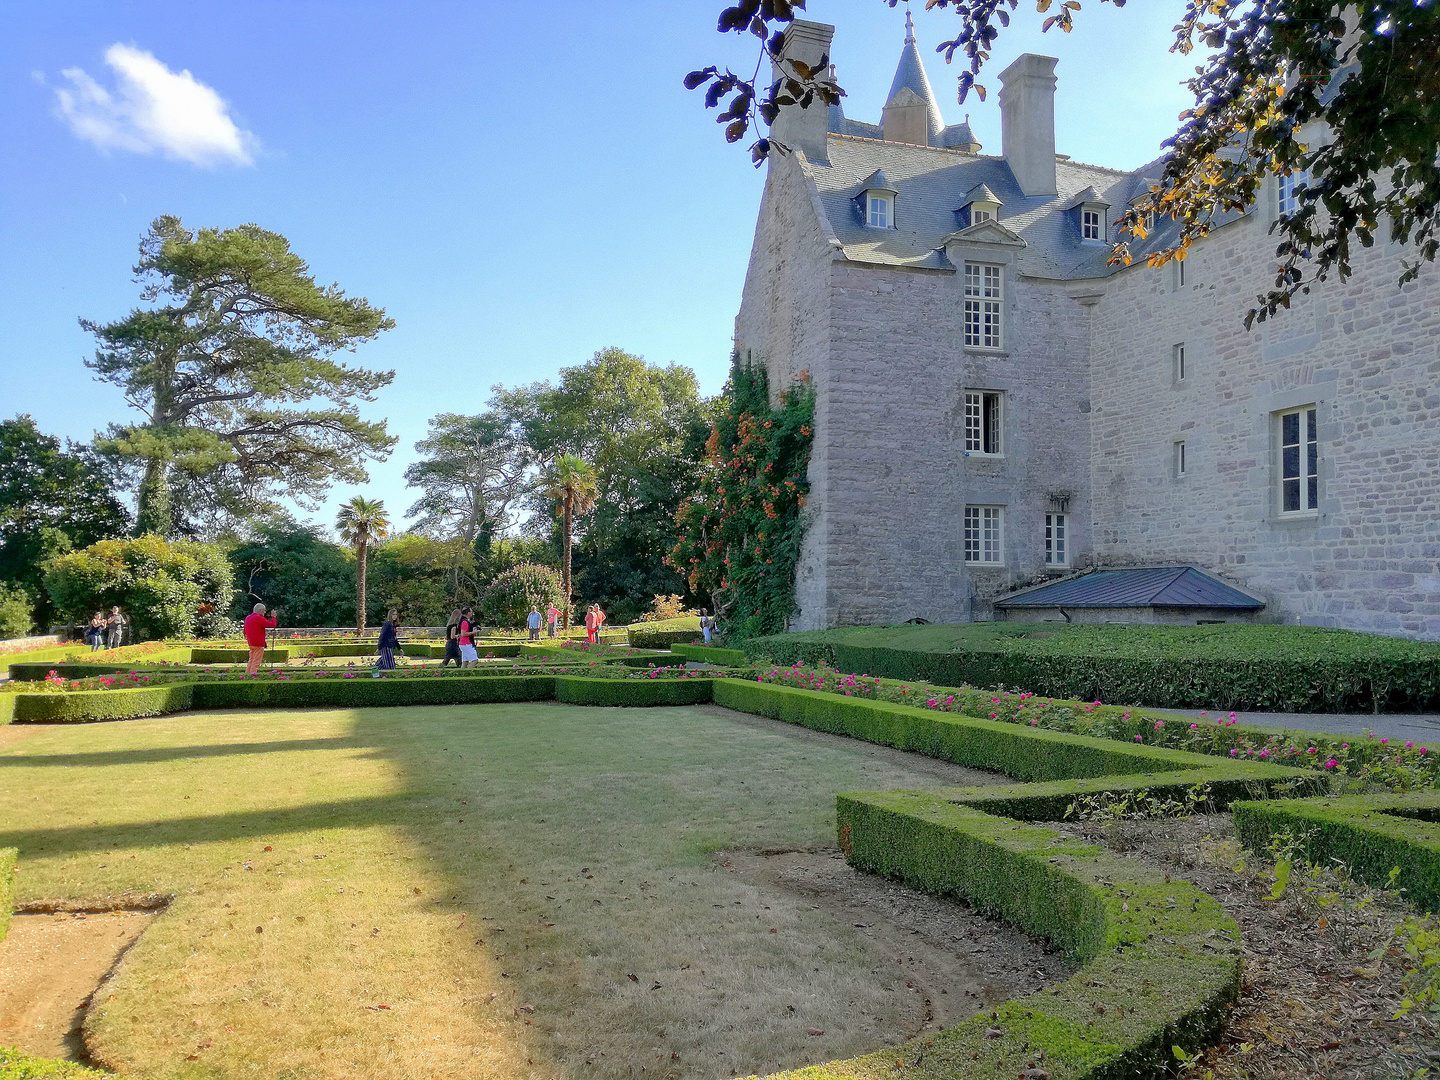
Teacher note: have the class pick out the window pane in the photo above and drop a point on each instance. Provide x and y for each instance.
(1291, 495)
(1314, 493)
(1310, 424)
(1290, 462)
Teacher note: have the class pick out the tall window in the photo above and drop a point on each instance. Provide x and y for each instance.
(984, 534)
(1180, 458)
(1091, 227)
(1057, 548)
(1178, 355)
(1285, 200)
(1299, 462)
(879, 212)
(982, 422)
(983, 299)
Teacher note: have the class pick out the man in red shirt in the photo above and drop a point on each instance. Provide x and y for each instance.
(255, 626)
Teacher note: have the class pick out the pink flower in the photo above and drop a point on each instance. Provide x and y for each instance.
(1194, 727)
(1159, 724)
(1312, 750)
(1139, 738)
(1233, 753)
(1409, 745)
(1331, 763)
(1423, 750)
(1384, 742)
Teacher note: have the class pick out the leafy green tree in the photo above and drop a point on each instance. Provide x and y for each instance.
(16, 605)
(570, 481)
(509, 598)
(166, 589)
(293, 567)
(643, 429)
(236, 343)
(473, 472)
(52, 500)
(361, 523)
(422, 578)
(1345, 98)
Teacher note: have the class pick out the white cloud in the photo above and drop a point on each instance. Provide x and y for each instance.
(153, 109)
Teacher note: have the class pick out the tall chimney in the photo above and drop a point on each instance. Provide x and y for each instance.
(796, 127)
(1027, 122)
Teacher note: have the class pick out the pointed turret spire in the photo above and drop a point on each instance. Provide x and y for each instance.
(910, 73)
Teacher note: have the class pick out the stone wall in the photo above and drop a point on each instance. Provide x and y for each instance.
(1363, 353)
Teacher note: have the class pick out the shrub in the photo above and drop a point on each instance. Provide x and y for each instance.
(667, 607)
(16, 1065)
(179, 589)
(508, 599)
(82, 706)
(632, 692)
(16, 606)
(643, 637)
(709, 654)
(238, 656)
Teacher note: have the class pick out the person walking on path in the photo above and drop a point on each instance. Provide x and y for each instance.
(705, 624)
(114, 629)
(389, 642)
(552, 616)
(465, 636)
(452, 639)
(592, 623)
(255, 626)
(95, 632)
(532, 622)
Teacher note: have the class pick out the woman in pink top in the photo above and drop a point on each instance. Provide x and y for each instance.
(592, 623)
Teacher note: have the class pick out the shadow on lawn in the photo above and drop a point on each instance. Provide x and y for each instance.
(382, 810)
(102, 758)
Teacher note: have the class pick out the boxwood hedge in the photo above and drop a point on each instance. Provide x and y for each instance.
(15, 1065)
(7, 888)
(1370, 834)
(710, 654)
(641, 638)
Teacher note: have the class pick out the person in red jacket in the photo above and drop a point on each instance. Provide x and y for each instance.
(255, 626)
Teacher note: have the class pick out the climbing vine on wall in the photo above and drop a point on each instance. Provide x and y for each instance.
(740, 535)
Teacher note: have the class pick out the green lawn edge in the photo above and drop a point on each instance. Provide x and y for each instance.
(17, 1065)
(7, 888)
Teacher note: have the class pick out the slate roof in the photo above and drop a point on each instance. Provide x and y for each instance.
(1154, 586)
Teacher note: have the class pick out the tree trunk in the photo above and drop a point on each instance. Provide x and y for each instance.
(565, 583)
(152, 511)
(360, 552)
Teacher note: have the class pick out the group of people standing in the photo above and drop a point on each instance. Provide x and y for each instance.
(105, 631)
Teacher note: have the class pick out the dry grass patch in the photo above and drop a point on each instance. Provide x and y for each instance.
(500, 890)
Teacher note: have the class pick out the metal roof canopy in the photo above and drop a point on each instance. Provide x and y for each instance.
(1153, 586)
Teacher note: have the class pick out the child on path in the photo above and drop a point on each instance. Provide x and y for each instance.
(532, 622)
(389, 642)
(255, 626)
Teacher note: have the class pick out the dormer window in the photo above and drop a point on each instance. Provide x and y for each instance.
(981, 204)
(1088, 211)
(881, 210)
(875, 202)
(1092, 225)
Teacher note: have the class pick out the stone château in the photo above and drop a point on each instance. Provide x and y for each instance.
(996, 406)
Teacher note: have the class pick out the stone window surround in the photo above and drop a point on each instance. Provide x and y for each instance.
(1320, 395)
(988, 518)
(1057, 540)
(959, 253)
(1180, 364)
(991, 426)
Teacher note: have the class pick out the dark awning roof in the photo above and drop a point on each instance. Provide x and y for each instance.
(1157, 586)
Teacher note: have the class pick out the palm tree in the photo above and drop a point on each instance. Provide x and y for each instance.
(571, 483)
(362, 522)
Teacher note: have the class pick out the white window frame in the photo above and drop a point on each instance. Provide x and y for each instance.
(984, 423)
(1285, 201)
(1179, 458)
(984, 290)
(879, 210)
(984, 535)
(1302, 469)
(1179, 273)
(1057, 540)
(1092, 224)
(1177, 357)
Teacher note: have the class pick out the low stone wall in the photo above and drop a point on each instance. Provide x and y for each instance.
(21, 644)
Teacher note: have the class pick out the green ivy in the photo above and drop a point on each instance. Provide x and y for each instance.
(740, 535)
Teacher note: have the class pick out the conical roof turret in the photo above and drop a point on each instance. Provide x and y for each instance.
(910, 72)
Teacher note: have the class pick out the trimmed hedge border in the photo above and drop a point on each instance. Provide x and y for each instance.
(1369, 834)
(7, 888)
(710, 654)
(1162, 959)
(236, 656)
(1314, 684)
(640, 638)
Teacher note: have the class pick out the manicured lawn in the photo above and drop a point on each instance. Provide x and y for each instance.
(384, 892)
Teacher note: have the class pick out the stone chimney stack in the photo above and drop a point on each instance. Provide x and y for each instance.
(1027, 122)
(797, 128)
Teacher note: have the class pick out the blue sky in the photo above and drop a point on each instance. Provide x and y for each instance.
(517, 184)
